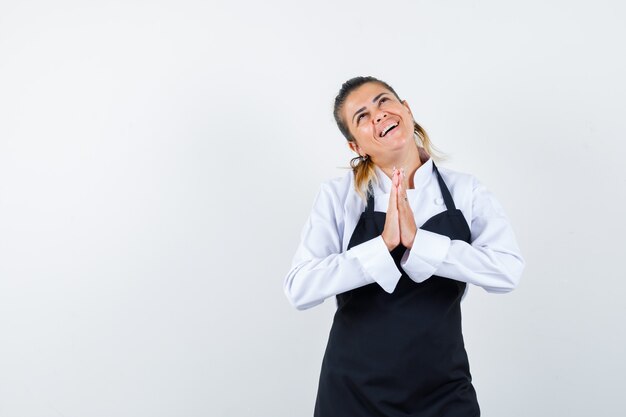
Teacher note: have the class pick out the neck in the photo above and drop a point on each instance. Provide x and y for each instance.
(410, 161)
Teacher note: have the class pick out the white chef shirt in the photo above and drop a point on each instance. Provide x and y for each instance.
(322, 267)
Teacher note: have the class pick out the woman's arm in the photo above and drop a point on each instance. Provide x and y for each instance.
(492, 261)
(320, 269)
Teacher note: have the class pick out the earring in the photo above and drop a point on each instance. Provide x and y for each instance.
(364, 158)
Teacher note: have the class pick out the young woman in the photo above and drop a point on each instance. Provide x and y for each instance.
(396, 241)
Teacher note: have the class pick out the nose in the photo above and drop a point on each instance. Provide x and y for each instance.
(380, 116)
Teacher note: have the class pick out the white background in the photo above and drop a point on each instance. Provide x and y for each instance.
(158, 160)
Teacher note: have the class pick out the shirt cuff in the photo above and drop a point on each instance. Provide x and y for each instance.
(428, 252)
(377, 263)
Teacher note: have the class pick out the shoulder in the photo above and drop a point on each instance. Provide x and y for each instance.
(335, 195)
(338, 188)
(463, 186)
(458, 180)
(471, 192)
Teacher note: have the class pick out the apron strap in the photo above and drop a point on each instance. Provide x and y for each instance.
(447, 197)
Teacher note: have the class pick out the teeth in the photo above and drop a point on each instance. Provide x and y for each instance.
(387, 129)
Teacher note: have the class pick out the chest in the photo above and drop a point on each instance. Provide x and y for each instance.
(426, 203)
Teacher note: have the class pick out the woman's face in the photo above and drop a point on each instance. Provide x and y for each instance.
(381, 125)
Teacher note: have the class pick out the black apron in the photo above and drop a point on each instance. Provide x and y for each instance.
(400, 354)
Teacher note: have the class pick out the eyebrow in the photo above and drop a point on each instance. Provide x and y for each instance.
(363, 108)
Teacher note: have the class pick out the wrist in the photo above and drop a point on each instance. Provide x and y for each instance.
(409, 243)
(390, 245)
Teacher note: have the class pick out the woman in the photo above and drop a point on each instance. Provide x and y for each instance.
(397, 240)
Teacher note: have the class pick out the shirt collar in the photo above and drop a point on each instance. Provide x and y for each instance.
(419, 178)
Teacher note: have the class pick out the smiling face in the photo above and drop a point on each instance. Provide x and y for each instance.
(381, 125)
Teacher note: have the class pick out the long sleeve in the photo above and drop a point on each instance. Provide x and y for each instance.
(321, 269)
(492, 261)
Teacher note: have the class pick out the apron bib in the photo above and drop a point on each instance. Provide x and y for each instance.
(400, 354)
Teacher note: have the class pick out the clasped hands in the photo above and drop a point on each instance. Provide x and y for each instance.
(400, 225)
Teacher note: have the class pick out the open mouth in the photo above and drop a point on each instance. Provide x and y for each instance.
(388, 129)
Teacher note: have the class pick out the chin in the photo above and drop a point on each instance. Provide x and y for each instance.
(403, 140)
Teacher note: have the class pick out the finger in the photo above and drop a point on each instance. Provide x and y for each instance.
(404, 179)
(405, 215)
(399, 189)
(393, 203)
(393, 196)
(402, 196)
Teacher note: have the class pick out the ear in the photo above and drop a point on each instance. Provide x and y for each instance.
(354, 147)
(405, 104)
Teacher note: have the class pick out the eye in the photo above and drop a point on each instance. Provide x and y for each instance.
(383, 99)
(358, 119)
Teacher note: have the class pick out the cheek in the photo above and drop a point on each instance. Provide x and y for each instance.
(363, 135)
(365, 129)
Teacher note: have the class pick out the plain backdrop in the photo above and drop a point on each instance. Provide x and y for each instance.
(158, 160)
